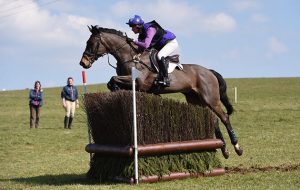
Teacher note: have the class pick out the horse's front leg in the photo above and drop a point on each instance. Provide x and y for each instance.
(120, 83)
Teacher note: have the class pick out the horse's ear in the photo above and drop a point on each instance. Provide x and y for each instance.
(90, 28)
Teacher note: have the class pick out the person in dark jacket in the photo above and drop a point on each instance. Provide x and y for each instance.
(36, 96)
(152, 35)
(69, 95)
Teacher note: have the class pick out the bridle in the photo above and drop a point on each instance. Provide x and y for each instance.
(93, 56)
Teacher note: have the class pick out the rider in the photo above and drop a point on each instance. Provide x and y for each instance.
(152, 35)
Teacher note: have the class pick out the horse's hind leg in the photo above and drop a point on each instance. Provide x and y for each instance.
(225, 120)
(192, 98)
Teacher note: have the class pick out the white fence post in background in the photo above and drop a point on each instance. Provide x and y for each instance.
(134, 75)
(235, 94)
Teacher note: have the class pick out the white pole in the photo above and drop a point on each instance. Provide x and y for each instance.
(134, 74)
(235, 94)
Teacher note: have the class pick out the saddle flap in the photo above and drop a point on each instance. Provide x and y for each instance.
(153, 59)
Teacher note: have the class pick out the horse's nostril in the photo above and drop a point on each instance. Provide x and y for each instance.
(82, 64)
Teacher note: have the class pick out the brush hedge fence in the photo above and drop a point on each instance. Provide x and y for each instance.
(162, 124)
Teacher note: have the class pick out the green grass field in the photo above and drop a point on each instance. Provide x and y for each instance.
(266, 120)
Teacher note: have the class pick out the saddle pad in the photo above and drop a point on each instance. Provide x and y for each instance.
(173, 66)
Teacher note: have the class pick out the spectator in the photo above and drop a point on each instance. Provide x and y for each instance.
(36, 96)
(69, 95)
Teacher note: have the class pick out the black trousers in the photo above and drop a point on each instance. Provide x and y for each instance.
(34, 111)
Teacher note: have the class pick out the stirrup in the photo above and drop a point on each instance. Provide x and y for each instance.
(163, 82)
(167, 82)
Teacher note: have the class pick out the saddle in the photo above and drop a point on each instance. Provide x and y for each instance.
(173, 61)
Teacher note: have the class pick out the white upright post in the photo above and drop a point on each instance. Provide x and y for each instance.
(235, 94)
(134, 75)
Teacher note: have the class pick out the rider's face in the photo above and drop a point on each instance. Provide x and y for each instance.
(135, 29)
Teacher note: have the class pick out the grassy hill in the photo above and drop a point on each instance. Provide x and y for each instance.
(266, 120)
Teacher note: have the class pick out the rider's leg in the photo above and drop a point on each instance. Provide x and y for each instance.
(164, 62)
(167, 50)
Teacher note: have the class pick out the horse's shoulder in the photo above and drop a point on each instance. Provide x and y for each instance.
(145, 55)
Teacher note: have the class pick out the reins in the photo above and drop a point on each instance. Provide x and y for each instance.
(110, 63)
(136, 58)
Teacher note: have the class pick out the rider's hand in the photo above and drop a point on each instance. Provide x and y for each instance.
(129, 40)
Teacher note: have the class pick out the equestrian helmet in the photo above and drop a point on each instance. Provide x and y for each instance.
(136, 20)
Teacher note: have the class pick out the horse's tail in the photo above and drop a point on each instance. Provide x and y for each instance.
(223, 95)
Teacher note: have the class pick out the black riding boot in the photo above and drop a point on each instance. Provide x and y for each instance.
(70, 122)
(66, 122)
(163, 78)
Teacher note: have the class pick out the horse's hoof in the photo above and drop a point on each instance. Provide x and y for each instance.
(225, 153)
(238, 150)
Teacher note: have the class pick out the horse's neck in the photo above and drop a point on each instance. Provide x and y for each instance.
(117, 47)
(125, 55)
(122, 52)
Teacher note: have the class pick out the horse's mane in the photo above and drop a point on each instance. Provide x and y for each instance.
(96, 30)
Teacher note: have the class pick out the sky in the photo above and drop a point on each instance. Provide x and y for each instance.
(44, 39)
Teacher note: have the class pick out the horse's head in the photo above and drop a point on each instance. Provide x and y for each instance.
(94, 48)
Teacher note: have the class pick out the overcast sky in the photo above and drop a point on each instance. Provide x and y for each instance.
(44, 40)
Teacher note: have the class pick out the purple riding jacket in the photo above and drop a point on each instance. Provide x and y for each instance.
(154, 36)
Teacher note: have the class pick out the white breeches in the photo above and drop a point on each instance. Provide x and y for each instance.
(70, 108)
(169, 48)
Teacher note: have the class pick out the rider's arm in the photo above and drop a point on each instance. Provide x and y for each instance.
(146, 43)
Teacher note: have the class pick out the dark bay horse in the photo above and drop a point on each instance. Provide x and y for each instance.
(200, 86)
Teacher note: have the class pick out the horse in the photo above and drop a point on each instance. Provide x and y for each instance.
(199, 85)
